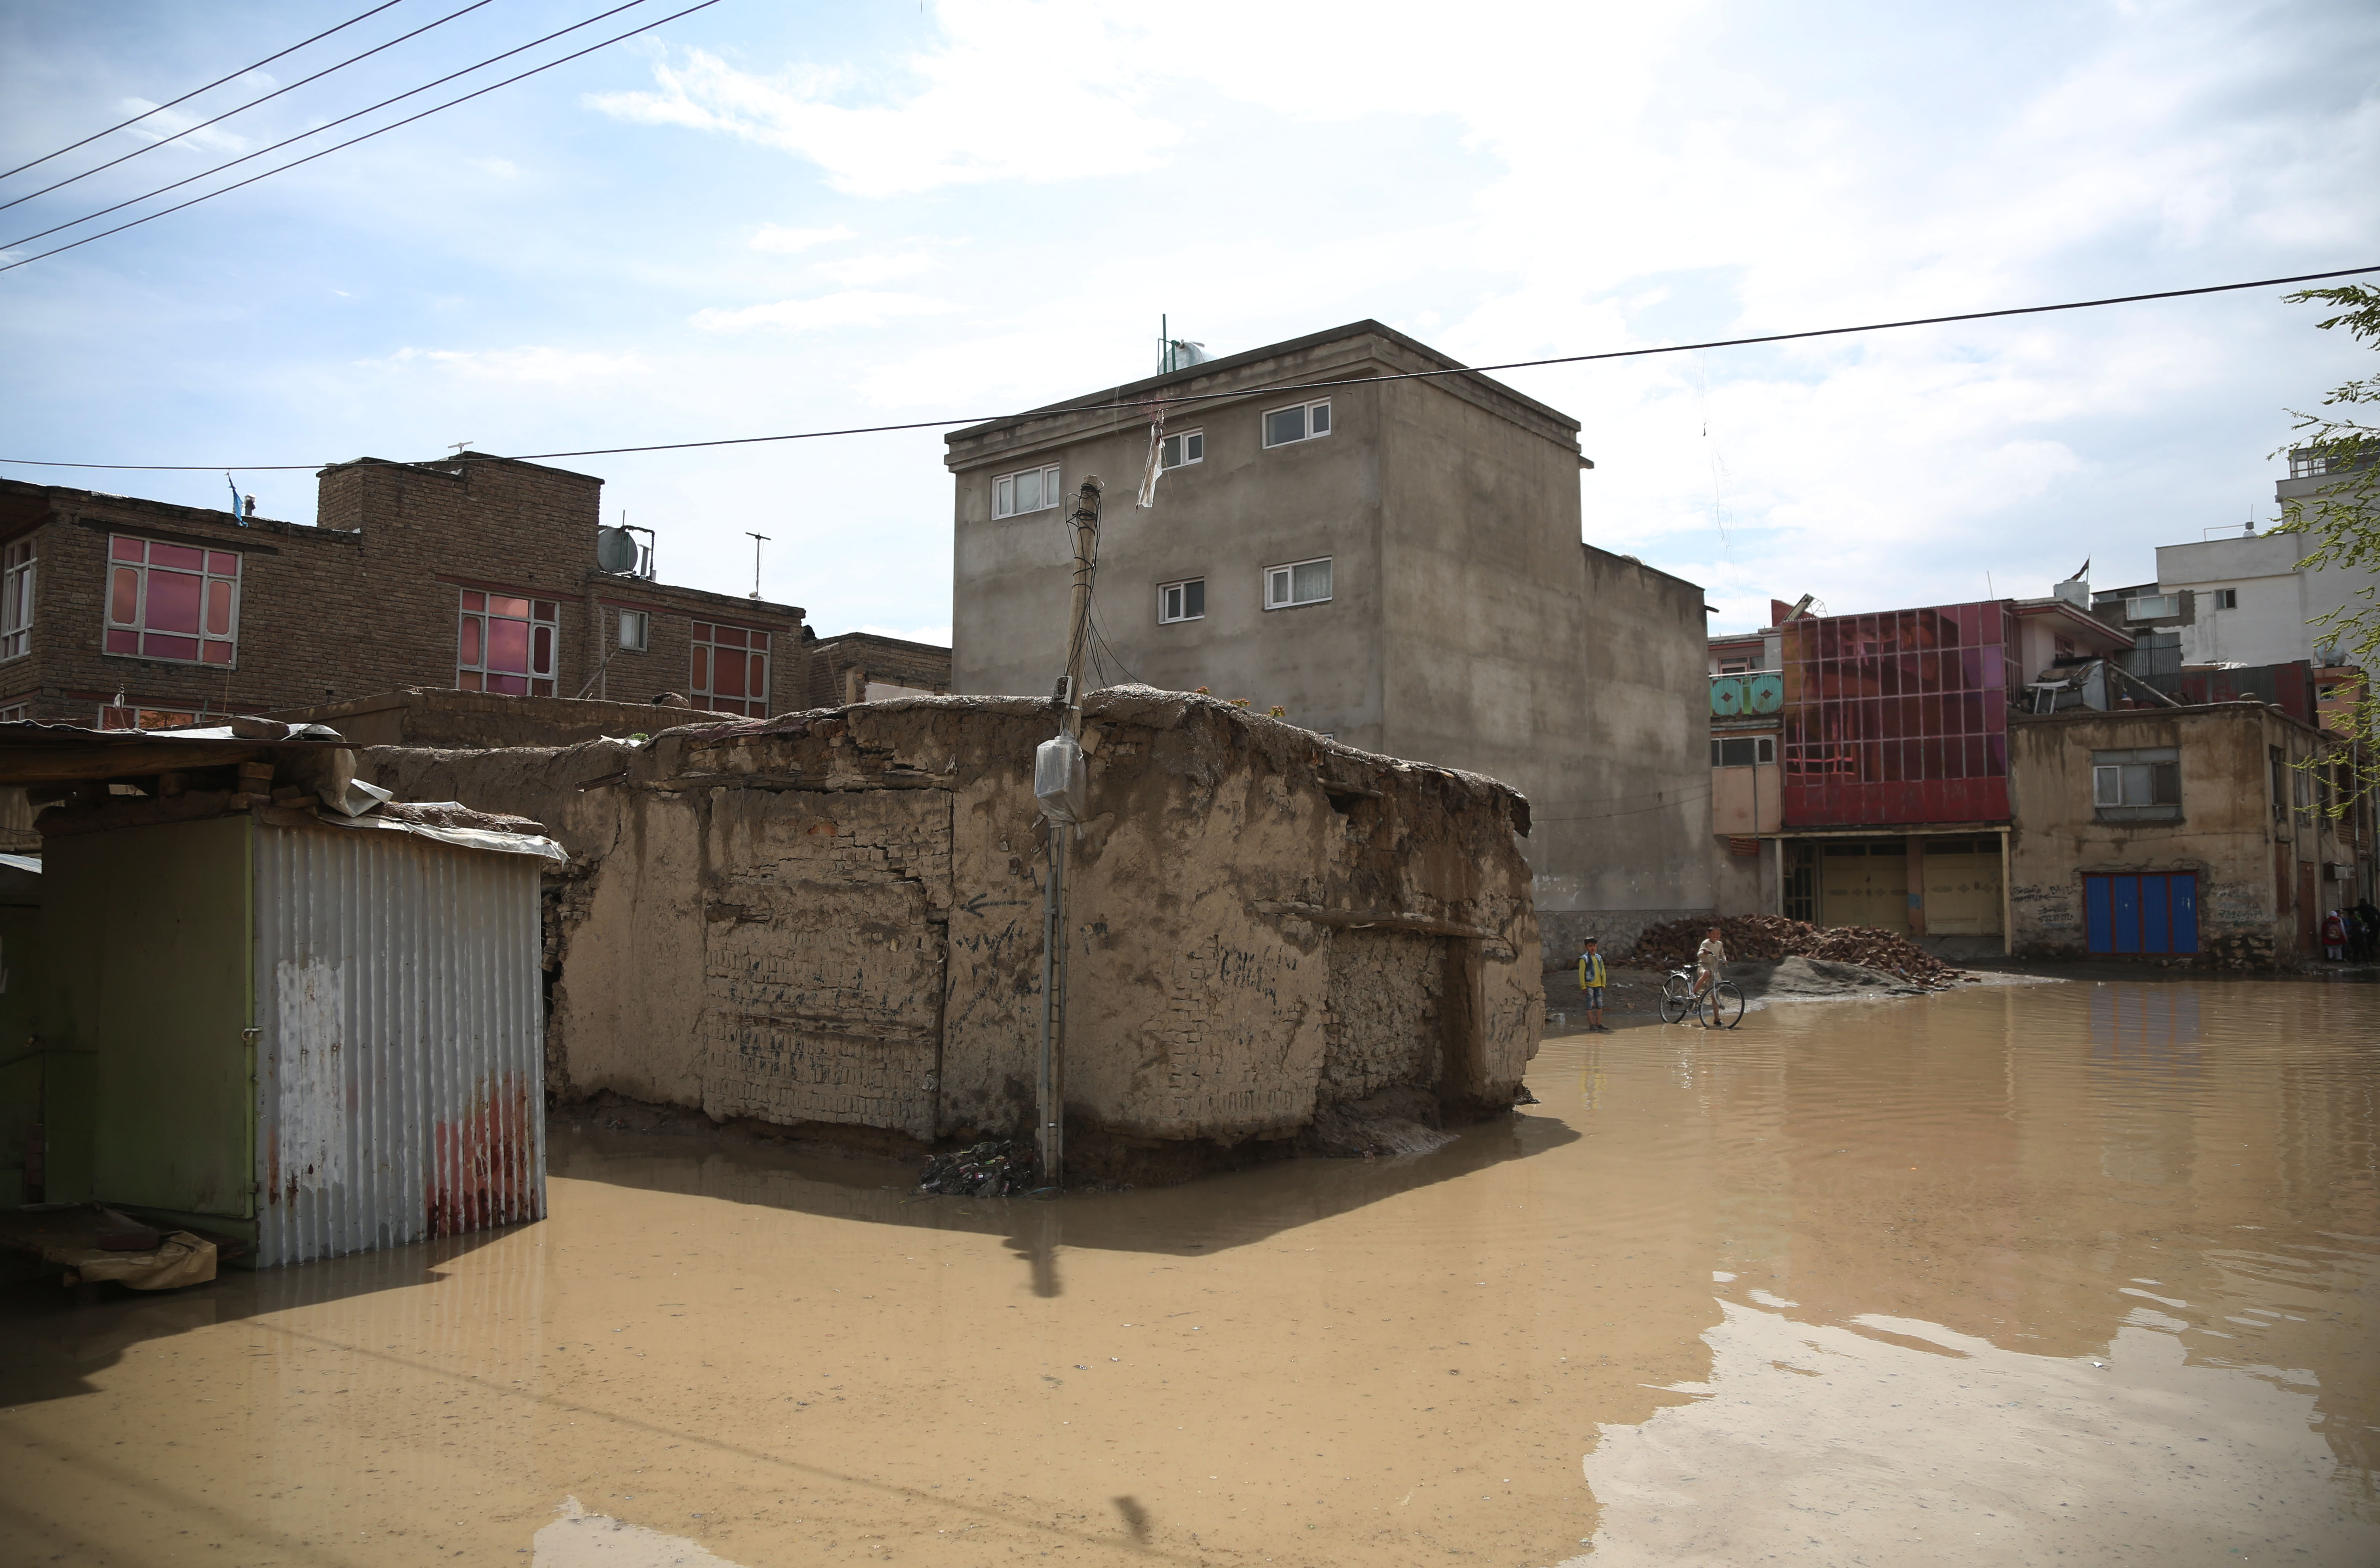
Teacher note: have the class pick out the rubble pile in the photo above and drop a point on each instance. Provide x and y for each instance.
(1766, 938)
(996, 1168)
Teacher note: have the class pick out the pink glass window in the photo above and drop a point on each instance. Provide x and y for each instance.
(506, 644)
(174, 601)
(730, 669)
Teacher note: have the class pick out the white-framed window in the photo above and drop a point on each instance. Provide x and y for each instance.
(1028, 489)
(636, 631)
(2227, 599)
(1175, 451)
(505, 644)
(17, 713)
(172, 602)
(730, 669)
(1742, 751)
(1297, 582)
(2136, 778)
(1304, 422)
(1183, 600)
(16, 599)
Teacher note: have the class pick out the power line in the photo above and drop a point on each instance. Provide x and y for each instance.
(241, 109)
(317, 130)
(186, 97)
(1244, 392)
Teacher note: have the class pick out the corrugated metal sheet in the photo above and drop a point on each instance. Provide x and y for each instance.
(399, 1049)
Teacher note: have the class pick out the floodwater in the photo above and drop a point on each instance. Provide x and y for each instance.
(2080, 1271)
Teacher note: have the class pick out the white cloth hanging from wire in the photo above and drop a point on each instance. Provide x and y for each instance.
(1155, 467)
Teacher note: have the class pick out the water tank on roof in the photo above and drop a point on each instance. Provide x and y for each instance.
(616, 551)
(1763, 693)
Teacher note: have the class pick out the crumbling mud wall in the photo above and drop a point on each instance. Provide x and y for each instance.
(834, 919)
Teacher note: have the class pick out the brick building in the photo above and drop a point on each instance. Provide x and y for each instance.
(867, 667)
(474, 572)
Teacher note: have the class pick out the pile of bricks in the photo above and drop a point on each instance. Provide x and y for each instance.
(1772, 937)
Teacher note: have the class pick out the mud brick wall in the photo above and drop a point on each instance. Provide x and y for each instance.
(834, 919)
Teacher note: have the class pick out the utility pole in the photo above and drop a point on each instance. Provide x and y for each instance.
(1060, 789)
(757, 539)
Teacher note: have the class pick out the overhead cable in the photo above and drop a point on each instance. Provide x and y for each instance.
(342, 119)
(326, 70)
(1269, 388)
(186, 97)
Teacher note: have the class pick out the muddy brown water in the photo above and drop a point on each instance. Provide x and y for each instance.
(2080, 1271)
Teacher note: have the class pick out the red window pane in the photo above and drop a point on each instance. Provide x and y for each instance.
(475, 602)
(544, 610)
(127, 550)
(540, 688)
(760, 641)
(123, 642)
(218, 608)
(728, 678)
(507, 648)
(124, 597)
(218, 653)
(173, 604)
(153, 646)
(701, 631)
(755, 683)
(510, 686)
(469, 652)
(468, 680)
(728, 636)
(702, 668)
(541, 650)
(499, 605)
(178, 555)
(222, 563)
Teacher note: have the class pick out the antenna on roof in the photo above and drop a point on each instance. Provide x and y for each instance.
(456, 447)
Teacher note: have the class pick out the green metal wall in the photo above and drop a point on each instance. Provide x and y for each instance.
(148, 942)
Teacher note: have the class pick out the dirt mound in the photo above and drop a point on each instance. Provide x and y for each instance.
(1770, 937)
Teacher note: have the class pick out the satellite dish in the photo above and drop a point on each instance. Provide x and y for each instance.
(616, 551)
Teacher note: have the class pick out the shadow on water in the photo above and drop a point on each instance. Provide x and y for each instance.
(50, 1345)
(1200, 1218)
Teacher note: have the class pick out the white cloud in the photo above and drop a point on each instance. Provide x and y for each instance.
(1043, 92)
(774, 237)
(852, 308)
(502, 168)
(160, 124)
(861, 271)
(527, 366)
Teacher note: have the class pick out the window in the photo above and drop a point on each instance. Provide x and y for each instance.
(1739, 664)
(507, 644)
(1181, 602)
(2227, 599)
(1744, 751)
(174, 601)
(1304, 422)
(2136, 785)
(17, 713)
(16, 599)
(636, 631)
(131, 718)
(731, 670)
(1299, 583)
(2152, 606)
(1190, 446)
(1032, 489)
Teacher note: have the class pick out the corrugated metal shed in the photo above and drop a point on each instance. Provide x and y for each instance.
(399, 1042)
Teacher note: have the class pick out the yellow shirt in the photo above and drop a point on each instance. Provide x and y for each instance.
(1590, 970)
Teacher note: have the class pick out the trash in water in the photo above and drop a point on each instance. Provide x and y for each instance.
(995, 1168)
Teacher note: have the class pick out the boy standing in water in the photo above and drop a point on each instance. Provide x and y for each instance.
(1707, 958)
(1591, 974)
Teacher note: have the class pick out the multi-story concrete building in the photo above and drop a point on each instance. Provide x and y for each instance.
(476, 572)
(1395, 562)
(2243, 599)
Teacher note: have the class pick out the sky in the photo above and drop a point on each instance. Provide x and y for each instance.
(765, 218)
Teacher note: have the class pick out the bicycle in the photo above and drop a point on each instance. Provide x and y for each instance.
(1721, 1007)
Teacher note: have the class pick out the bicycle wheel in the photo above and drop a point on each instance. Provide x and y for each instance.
(1725, 1006)
(1675, 1004)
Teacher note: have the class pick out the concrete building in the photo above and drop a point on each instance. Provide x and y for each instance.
(2244, 600)
(1396, 564)
(868, 667)
(477, 573)
(829, 924)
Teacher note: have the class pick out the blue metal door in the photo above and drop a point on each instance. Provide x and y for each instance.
(2154, 933)
(2185, 912)
(2126, 893)
(2098, 928)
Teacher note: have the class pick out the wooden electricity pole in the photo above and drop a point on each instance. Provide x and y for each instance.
(1050, 1103)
